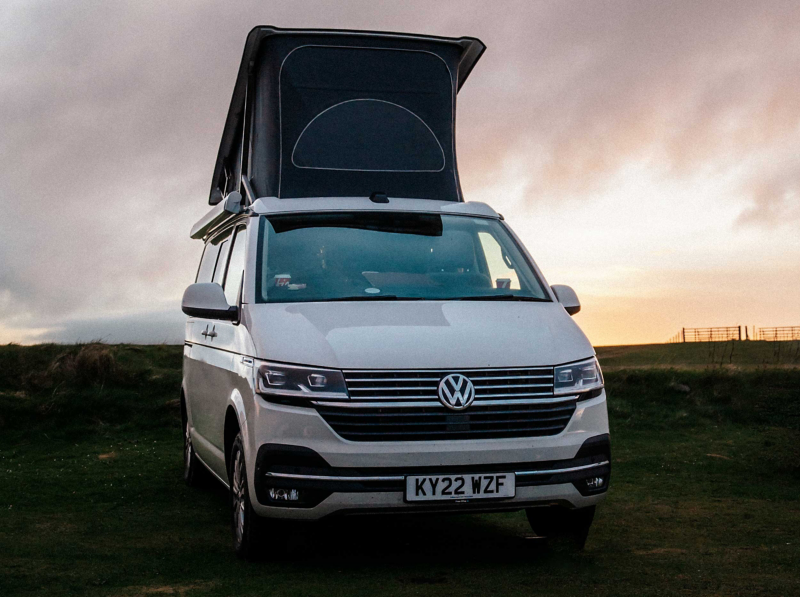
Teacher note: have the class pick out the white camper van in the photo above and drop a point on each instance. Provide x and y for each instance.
(360, 339)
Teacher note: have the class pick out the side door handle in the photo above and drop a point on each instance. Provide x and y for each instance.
(213, 333)
(204, 333)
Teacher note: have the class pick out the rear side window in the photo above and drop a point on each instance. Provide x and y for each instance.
(206, 270)
(222, 260)
(235, 267)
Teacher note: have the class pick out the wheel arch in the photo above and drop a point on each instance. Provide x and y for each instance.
(184, 408)
(235, 422)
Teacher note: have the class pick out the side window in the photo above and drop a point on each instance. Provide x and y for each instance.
(235, 266)
(206, 270)
(222, 261)
(500, 270)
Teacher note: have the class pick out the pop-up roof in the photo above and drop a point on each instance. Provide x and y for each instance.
(321, 113)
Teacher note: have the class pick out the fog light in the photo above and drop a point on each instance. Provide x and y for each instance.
(283, 495)
(595, 482)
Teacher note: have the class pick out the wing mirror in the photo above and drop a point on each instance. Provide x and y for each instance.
(567, 297)
(207, 300)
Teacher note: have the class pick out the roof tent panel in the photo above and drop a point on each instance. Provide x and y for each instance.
(382, 116)
(368, 135)
(348, 113)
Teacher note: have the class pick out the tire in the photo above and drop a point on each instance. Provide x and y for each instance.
(564, 529)
(193, 471)
(246, 524)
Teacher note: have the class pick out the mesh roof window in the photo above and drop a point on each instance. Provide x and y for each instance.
(365, 109)
(368, 135)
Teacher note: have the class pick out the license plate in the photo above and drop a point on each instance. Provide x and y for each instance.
(460, 487)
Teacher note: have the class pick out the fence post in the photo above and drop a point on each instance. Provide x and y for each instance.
(740, 333)
(683, 334)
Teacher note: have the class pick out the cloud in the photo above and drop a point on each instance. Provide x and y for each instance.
(776, 197)
(594, 86)
(111, 115)
(158, 327)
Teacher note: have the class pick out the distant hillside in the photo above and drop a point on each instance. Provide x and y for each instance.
(702, 354)
(71, 389)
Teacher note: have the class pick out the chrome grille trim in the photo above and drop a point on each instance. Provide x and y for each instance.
(403, 405)
(421, 404)
(332, 478)
(437, 371)
(405, 385)
(571, 469)
(373, 380)
(552, 471)
(436, 379)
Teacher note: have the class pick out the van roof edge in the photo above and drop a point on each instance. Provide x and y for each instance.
(274, 205)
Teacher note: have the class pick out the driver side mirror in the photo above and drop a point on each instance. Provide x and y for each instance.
(207, 300)
(567, 297)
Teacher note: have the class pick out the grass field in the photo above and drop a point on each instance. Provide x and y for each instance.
(705, 496)
(701, 355)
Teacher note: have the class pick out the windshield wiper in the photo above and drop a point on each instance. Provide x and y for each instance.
(501, 297)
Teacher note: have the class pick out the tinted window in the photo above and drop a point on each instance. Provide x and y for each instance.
(206, 270)
(222, 260)
(319, 257)
(235, 267)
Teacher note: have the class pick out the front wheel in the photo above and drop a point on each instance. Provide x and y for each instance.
(246, 523)
(563, 528)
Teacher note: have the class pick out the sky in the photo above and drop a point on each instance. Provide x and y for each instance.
(647, 153)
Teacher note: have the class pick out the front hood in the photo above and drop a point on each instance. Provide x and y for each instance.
(416, 334)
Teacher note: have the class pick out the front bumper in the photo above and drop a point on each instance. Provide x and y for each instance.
(293, 448)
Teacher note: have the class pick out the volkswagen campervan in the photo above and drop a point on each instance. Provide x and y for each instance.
(360, 339)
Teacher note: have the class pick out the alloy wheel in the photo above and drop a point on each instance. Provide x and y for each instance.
(239, 501)
(187, 447)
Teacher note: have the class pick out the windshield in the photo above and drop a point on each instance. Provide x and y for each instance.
(390, 256)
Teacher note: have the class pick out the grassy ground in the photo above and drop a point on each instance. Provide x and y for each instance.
(699, 355)
(704, 497)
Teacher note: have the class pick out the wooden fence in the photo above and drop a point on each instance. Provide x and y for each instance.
(720, 334)
(778, 334)
(737, 332)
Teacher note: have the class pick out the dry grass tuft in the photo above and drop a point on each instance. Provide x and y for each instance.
(88, 364)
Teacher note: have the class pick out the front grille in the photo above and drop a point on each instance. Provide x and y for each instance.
(420, 423)
(404, 406)
(490, 384)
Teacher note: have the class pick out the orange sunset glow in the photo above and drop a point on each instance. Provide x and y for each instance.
(647, 154)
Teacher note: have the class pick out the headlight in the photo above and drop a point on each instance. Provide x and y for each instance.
(577, 377)
(300, 382)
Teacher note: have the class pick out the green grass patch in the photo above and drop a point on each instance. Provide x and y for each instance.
(704, 497)
(69, 391)
(731, 354)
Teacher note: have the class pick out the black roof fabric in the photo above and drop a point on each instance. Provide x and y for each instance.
(338, 113)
